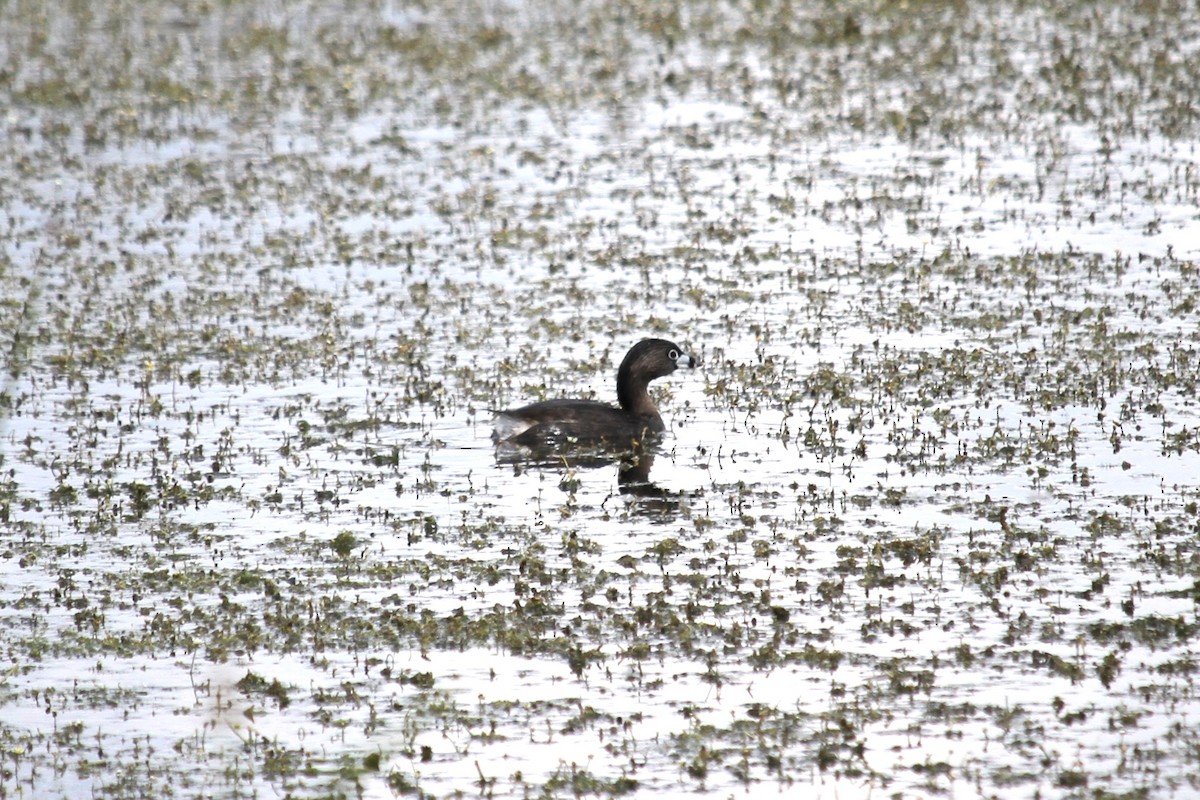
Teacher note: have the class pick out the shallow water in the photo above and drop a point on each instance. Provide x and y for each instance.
(925, 523)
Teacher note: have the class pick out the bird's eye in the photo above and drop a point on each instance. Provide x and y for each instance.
(673, 355)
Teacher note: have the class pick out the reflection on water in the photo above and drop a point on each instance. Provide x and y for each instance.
(633, 465)
(652, 500)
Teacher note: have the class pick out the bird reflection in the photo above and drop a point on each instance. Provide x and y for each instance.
(633, 470)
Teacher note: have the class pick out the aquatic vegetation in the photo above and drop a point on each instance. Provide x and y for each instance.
(925, 523)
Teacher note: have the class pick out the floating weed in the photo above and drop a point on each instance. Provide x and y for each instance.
(252, 684)
(935, 469)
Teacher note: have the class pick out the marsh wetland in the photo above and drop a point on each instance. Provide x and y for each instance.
(925, 524)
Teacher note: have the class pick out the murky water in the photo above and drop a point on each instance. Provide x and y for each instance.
(925, 524)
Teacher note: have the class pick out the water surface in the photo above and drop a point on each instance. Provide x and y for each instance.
(925, 523)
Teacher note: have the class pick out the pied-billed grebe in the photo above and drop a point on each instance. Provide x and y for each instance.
(553, 421)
